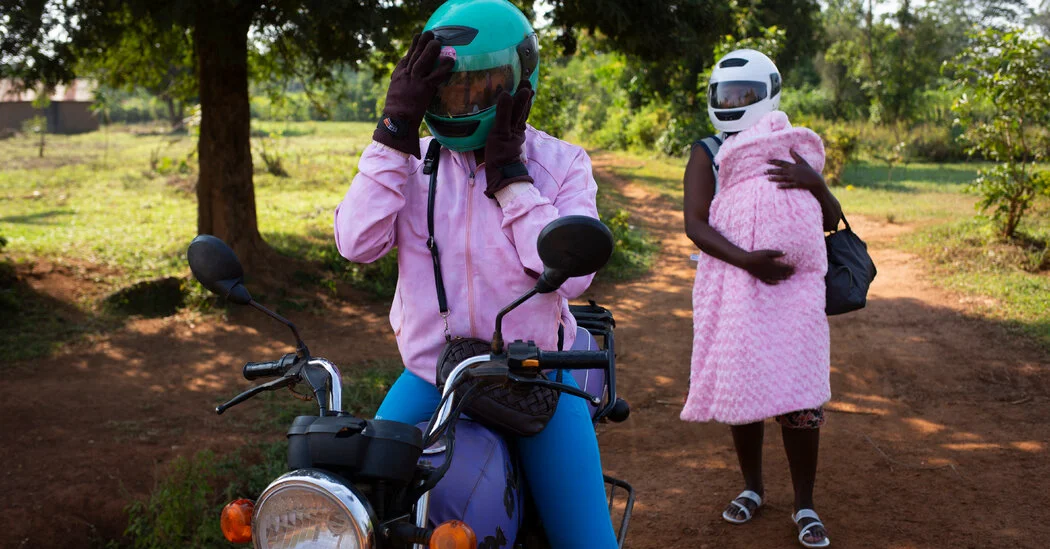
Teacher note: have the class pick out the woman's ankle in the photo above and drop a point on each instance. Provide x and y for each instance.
(804, 503)
(758, 488)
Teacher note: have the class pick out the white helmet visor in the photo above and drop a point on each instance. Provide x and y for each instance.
(736, 94)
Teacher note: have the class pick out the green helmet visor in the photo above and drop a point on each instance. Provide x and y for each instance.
(476, 83)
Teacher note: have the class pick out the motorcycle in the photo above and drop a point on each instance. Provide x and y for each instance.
(358, 483)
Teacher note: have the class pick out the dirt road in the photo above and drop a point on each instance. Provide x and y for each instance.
(937, 436)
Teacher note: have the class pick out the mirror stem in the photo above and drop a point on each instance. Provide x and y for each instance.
(301, 348)
(497, 337)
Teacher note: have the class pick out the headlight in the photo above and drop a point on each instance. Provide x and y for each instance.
(309, 508)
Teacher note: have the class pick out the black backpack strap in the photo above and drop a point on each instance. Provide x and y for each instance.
(430, 167)
(711, 145)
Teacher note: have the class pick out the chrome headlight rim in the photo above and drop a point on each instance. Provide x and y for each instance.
(355, 505)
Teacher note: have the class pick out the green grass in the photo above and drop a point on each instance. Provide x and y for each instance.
(920, 193)
(119, 210)
(123, 202)
(84, 203)
(660, 174)
(1013, 277)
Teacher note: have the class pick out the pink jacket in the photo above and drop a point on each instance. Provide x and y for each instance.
(488, 249)
(758, 350)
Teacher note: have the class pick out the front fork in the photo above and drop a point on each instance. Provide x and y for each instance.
(423, 505)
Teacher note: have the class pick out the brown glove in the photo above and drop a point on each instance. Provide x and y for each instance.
(413, 84)
(503, 164)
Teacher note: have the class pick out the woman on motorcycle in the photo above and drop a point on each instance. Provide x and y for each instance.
(499, 183)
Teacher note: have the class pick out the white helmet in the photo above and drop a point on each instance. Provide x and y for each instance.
(745, 85)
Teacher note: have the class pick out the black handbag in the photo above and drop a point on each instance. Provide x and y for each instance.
(518, 409)
(850, 271)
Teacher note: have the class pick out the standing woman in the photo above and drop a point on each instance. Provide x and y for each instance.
(761, 345)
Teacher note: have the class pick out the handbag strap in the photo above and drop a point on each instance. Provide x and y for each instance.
(846, 221)
(430, 167)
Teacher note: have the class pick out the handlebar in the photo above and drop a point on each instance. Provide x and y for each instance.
(573, 360)
(256, 370)
(273, 368)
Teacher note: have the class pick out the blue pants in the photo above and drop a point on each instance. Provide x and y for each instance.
(562, 464)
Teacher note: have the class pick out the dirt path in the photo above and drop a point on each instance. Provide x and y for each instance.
(938, 435)
(88, 430)
(939, 439)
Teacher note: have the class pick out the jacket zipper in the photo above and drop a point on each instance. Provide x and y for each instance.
(470, 270)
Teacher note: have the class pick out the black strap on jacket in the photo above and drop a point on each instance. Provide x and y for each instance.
(430, 167)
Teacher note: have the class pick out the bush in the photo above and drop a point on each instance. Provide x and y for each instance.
(183, 509)
(633, 252)
(647, 126)
(807, 102)
(686, 125)
(937, 143)
(840, 147)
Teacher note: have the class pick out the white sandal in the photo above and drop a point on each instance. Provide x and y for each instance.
(803, 530)
(748, 495)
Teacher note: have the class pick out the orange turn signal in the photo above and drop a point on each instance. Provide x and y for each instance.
(453, 535)
(237, 520)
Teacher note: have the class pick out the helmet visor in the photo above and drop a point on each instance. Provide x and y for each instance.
(476, 84)
(470, 92)
(735, 94)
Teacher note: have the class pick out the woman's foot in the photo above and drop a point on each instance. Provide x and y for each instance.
(811, 532)
(743, 508)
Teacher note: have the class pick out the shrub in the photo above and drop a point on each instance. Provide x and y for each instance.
(633, 252)
(840, 147)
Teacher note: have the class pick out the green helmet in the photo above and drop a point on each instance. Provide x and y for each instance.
(495, 48)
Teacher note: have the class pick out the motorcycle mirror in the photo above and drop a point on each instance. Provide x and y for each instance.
(570, 246)
(217, 268)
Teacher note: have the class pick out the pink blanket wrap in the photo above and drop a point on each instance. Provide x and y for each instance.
(759, 350)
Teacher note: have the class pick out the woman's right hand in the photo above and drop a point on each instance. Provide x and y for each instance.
(763, 265)
(413, 85)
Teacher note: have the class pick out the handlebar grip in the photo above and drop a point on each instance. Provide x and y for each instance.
(573, 360)
(256, 370)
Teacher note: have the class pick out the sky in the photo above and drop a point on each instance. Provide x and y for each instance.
(881, 7)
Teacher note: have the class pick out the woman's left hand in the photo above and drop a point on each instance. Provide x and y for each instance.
(503, 164)
(798, 175)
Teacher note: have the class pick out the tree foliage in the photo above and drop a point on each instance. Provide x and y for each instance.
(159, 60)
(1005, 74)
(126, 41)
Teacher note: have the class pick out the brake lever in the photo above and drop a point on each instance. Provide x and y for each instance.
(557, 387)
(268, 386)
(493, 369)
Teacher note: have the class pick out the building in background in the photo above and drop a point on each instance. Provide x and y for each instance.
(69, 111)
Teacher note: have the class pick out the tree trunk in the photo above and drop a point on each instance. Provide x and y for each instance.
(225, 193)
(174, 114)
